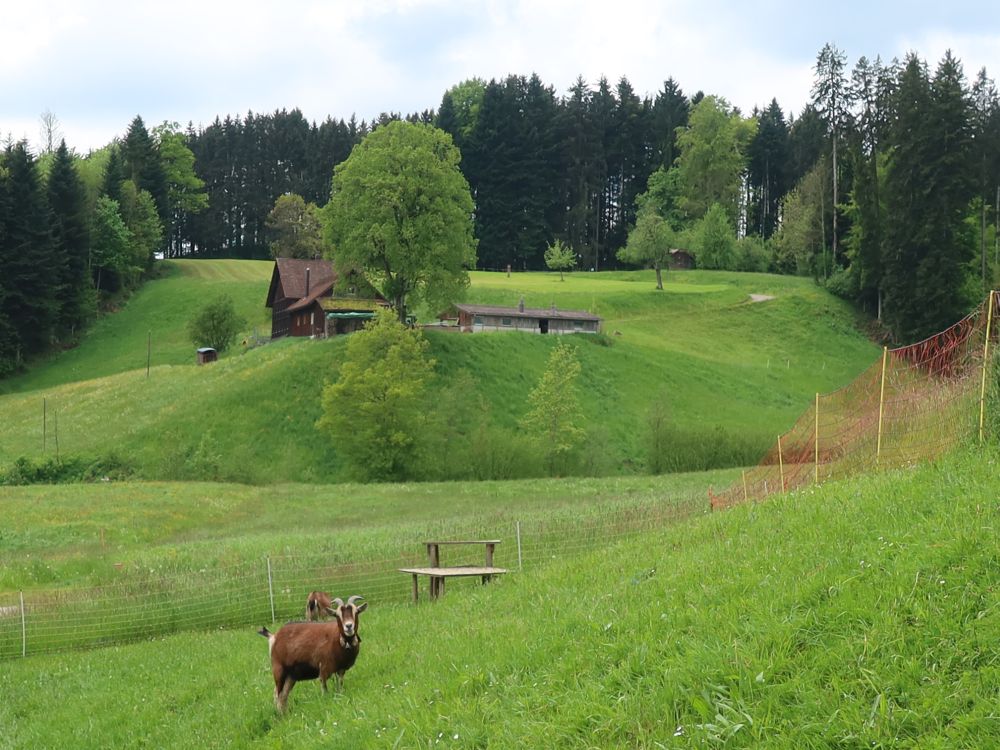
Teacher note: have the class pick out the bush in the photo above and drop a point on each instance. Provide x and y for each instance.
(68, 470)
(216, 324)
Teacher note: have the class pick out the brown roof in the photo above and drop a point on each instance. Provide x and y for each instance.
(292, 273)
(529, 312)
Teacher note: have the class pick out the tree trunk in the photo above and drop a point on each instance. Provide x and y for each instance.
(834, 211)
(659, 277)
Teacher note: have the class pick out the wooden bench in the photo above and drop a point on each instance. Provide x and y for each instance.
(438, 573)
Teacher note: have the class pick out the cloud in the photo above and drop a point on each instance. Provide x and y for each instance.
(98, 63)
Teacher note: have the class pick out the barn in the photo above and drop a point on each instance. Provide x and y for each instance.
(302, 300)
(476, 318)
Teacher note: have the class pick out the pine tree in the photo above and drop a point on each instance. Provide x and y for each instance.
(71, 236)
(31, 271)
(114, 174)
(143, 166)
(670, 111)
(831, 96)
(929, 185)
(768, 155)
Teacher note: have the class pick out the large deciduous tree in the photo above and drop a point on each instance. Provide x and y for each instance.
(555, 416)
(376, 411)
(713, 158)
(649, 243)
(400, 211)
(294, 228)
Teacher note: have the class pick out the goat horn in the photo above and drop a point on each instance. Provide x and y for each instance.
(339, 602)
(354, 599)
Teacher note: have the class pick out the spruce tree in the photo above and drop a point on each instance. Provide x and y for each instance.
(114, 174)
(31, 268)
(71, 236)
(143, 167)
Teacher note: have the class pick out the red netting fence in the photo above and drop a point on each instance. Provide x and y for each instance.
(916, 402)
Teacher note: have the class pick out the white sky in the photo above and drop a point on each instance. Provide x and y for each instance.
(95, 64)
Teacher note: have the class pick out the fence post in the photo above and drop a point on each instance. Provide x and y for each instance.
(518, 529)
(745, 494)
(270, 587)
(781, 465)
(817, 439)
(881, 405)
(24, 631)
(986, 356)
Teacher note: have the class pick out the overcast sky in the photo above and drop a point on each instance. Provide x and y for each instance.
(95, 64)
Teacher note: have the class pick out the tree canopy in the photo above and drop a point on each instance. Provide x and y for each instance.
(400, 211)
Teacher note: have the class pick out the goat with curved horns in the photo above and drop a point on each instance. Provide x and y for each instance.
(307, 650)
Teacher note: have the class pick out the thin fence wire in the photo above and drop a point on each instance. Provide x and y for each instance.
(915, 403)
(245, 594)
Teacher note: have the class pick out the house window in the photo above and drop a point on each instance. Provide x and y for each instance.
(478, 320)
(578, 325)
(506, 322)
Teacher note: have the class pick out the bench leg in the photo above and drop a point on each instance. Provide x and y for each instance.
(487, 579)
(416, 589)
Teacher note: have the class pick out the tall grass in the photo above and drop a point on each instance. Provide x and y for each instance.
(858, 614)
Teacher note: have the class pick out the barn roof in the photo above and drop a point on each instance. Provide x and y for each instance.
(528, 312)
(292, 274)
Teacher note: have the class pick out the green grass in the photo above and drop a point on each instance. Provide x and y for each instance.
(733, 374)
(159, 312)
(860, 614)
(74, 535)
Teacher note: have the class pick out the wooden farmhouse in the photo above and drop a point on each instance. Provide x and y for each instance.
(476, 318)
(303, 303)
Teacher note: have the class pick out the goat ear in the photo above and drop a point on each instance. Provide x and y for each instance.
(361, 607)
(332, 612)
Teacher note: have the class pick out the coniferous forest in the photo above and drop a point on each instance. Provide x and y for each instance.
(885, 188)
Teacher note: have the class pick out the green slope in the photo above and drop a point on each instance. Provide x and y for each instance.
(719, 361)
(158, 313)
(860, 614)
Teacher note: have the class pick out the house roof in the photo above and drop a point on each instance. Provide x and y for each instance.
(528, 312)
(292, 274)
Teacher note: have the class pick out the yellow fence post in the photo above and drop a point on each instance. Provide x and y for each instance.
(817, 439)
(781, 465)
(881, 405)
(986, 362)
(745, 494)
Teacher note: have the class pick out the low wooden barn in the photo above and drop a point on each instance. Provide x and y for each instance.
(680, 260)
(303, 303)
(477, 318)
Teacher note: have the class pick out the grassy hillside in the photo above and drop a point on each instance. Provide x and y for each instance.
(733, 374)
(160, 311)
(859, 614)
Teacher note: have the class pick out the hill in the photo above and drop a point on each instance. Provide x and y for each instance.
(857, 614)
(733, 374)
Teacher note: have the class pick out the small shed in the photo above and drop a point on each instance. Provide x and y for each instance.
(680, 260)
(207, 354)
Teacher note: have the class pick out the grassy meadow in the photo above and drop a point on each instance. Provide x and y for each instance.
(858, 614)
(732, 373)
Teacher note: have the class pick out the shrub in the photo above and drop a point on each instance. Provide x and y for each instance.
(216, 324)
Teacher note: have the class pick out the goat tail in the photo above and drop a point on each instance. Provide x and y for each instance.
(264, 632)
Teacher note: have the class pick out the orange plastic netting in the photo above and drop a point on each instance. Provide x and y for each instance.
(916, 402)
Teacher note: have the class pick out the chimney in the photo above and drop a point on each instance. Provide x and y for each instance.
(307, 282)
(553, 308)
(520, 305)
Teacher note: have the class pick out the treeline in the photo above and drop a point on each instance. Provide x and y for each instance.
(78, 234)
(885, 187)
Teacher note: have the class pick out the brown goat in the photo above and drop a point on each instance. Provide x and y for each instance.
(307, 650)
(317, 605)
